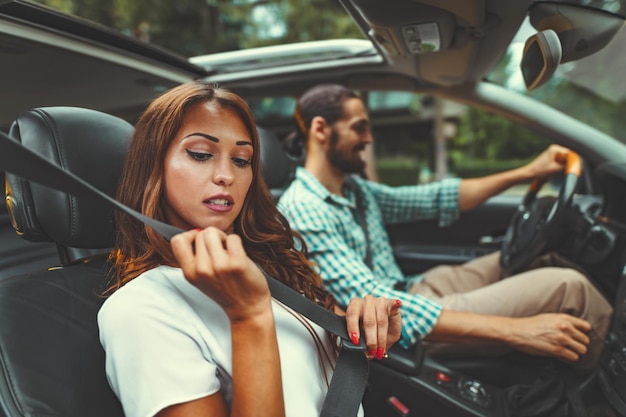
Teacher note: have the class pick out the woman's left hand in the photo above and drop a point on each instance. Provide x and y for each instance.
(381, 322)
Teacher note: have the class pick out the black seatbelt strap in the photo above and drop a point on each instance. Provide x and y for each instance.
(351, 184)
(351, 370)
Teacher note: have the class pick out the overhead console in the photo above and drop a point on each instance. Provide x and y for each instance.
(448, 42)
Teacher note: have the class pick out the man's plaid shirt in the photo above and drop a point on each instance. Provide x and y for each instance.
(337, 245)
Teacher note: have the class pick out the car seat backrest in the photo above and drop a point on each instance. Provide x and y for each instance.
(51, 361)
(91, 145)
(276, 167)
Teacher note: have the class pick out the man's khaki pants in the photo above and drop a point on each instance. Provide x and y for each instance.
(549, 285)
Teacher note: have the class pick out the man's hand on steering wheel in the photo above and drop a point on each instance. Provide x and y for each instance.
(551, 161)
(535, 219)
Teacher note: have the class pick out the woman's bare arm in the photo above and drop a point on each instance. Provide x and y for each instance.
(220, 268)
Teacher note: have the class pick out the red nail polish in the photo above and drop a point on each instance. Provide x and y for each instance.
(373, 353)
(398, 303)
(380, 353)
(197, 229)
(355, 338)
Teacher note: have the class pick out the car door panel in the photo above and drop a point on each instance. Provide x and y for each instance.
(421, 245)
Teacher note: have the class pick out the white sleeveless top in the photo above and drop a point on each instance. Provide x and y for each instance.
(166, 343)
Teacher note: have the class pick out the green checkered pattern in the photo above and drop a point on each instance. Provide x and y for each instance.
(337, 244)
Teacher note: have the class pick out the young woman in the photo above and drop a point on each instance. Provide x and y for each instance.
(190, 328)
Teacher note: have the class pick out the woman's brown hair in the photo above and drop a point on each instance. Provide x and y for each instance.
(266, 234)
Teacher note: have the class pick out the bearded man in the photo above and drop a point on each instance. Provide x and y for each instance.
(462, 309)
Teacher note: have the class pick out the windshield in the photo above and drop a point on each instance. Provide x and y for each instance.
(590, 89)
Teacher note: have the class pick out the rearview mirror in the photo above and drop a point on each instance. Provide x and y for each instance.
(542, 55)
(582, 30)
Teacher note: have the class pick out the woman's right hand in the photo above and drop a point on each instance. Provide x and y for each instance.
(217, 264)
(220, 268)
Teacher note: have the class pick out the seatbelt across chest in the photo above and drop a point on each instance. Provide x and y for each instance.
(351, 371)
(361, 217)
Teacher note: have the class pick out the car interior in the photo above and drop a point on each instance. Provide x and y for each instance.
(55, 272)
(51, 358)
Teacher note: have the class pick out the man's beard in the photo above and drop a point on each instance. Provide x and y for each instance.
(350, 162)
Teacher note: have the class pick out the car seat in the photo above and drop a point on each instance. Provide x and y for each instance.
(51, 361)
(276, 167)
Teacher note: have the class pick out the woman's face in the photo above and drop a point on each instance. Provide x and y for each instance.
(208, 169)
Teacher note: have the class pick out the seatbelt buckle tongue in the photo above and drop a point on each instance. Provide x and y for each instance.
(348, 345)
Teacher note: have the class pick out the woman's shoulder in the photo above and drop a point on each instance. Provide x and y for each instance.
(161, 288)
(157, 280)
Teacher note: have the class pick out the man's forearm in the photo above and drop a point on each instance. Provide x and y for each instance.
(475, 191)
(558, 335)
(468, 328)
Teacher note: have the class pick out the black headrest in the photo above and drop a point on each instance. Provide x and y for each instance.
(275, 165)
(90, 144)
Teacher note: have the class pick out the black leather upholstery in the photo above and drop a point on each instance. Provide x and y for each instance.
(51, 361)
(89, 144)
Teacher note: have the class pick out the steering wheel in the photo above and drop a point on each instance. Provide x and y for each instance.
(537, 219)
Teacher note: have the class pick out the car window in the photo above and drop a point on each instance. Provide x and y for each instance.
(419, 138)
(589, 89)
(405, 126)
(267, 108)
